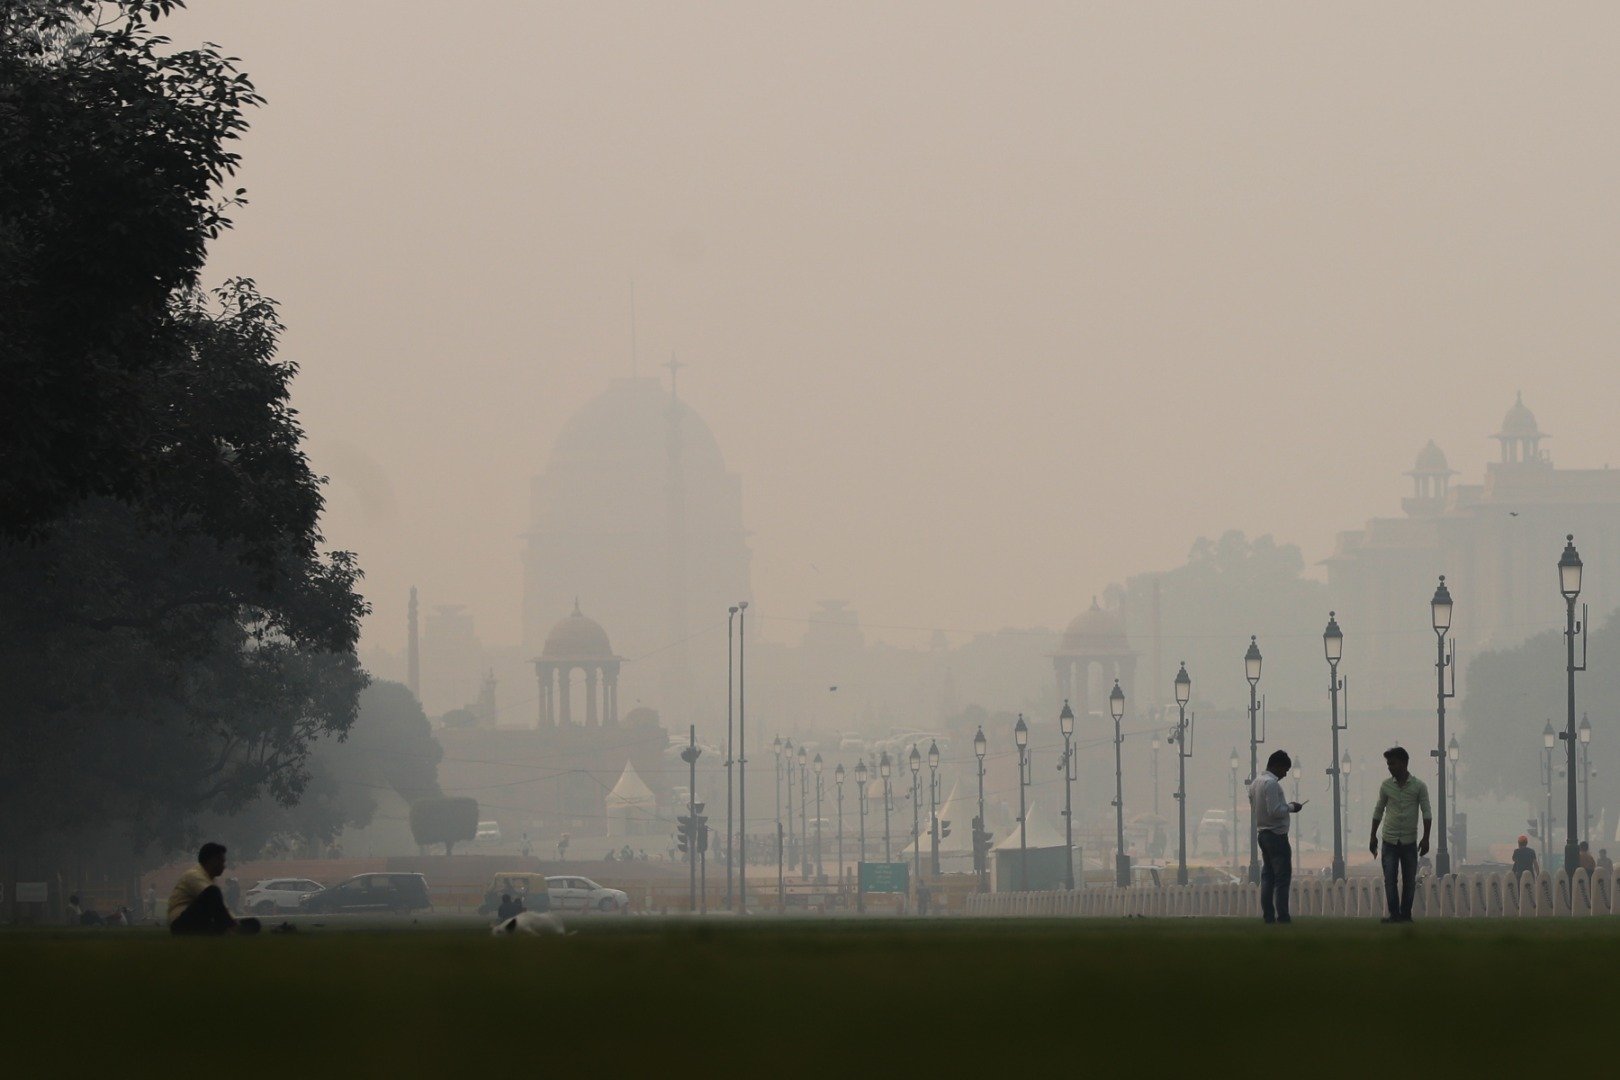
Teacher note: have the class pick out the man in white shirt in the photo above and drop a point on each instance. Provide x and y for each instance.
(1271, 812)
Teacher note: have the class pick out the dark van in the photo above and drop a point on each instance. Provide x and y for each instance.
(395, 894)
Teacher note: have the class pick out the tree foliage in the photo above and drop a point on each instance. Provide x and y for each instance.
(1510, 695)
(447, 821)
(173, 636)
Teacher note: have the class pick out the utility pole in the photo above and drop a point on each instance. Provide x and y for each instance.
(730, 618)
(742, 769)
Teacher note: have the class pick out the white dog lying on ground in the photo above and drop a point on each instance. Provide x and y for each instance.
(536, 923)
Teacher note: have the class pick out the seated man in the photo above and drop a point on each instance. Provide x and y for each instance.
(196, 906)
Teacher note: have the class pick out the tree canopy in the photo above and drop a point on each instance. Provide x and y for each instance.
(173, 635)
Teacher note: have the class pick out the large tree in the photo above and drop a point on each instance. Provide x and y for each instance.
(173, 638)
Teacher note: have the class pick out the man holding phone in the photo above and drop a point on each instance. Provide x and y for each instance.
(1400, 799)
(1271, 812)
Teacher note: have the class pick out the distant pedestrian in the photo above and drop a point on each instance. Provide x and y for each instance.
(506, 910)
(528, 849)
(1603, 860)
(1271, 812)
(1401, 799)
(1524, 858)
(1588, 863)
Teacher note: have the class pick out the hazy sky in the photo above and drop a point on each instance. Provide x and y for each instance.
(989, 304)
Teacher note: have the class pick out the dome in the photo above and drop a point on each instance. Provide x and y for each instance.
(1096, 632)
(1431, 459)
(629, 423)
(578, 637)
(1519, 422)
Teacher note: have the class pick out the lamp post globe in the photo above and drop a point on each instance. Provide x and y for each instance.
(1116, 701)
(1549, 737)
(915, 758)
(979, 744)
(1021, 733)
(1453, 750)
(1585, 730)
(1251, 661)
(933, 755)
(1440, 607)
(1183, 685)
(1569, 570)
(1066, 720)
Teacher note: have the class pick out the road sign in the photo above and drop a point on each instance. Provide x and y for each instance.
(885, 877)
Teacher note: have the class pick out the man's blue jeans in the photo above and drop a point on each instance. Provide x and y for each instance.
(1401, 858)
(1276, 874)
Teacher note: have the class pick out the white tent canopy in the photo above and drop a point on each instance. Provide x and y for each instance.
(959, 812)
(631, 807)
(1041, 834)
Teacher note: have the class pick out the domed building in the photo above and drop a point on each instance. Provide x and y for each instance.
(636, 510)
(1431, 482)
(578, 643)
(1094, 641)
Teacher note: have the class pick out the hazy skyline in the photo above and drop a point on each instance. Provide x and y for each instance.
(989, 307)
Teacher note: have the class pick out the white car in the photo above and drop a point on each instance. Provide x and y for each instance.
(583, 894)
(489, 832)
(278, 894)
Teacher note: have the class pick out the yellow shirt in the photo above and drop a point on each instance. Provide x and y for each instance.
(187, 889)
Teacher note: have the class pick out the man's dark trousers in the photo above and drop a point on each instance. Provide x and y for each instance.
(1402, 859)
(1276, 873)
(205, 915)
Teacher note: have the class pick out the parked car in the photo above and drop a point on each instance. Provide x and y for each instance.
(370, 893)
(278, 894)
(583, 894)
(529, 886)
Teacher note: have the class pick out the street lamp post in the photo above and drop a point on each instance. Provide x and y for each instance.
(804, 813)
(933, 802)
(1251, 671)
(884, 769)
(1440, 609)
(742, 764)
(821, 872)
(860, 791)
(1183, 752)
(1021, 738)
(915, 761)
(1122, 858)
(731, 617)
(1586, 778)
(1549, 739)
(1233, 762)
(838, 797)
(1333, 649)
(1066, 725)
(787, 767)
(1344, 771)
(1569, 583)
(981, 849)
(1453, 753)
(1155, 747)
(778, 751)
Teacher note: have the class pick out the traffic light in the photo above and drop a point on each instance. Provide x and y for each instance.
(683, 833)
(944, 828)
(700, 826)
(981, 846)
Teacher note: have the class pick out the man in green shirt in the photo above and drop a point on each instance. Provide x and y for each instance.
(1400, 800)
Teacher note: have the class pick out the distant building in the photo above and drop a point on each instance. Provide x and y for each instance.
(1498, 544)
(636, 512)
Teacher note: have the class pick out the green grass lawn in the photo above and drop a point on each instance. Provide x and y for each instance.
(645, 997)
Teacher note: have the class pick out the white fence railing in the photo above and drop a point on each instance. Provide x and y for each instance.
(1456, 896)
